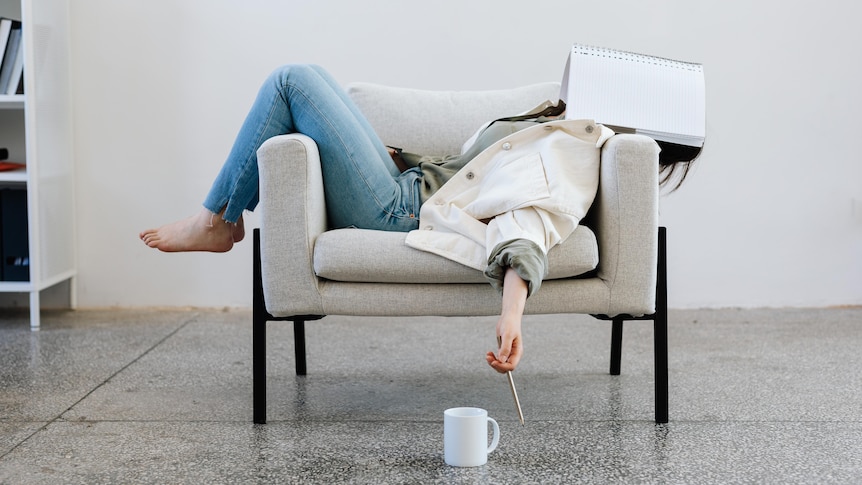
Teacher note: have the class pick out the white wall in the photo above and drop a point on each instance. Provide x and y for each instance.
(161, 87)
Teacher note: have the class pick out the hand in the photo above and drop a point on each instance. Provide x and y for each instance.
(396, 158)
(511, 345)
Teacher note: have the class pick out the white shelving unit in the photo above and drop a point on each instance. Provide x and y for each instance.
(36, 127)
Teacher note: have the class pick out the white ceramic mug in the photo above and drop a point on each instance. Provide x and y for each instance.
(465, 436)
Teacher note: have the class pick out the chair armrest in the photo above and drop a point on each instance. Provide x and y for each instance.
(292, 214)
(626, 222)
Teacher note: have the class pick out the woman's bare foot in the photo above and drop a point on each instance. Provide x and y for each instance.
(202, 232)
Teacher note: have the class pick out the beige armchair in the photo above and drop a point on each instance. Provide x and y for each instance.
(611, 267)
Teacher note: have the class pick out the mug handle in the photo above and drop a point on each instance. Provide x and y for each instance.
(496, 438)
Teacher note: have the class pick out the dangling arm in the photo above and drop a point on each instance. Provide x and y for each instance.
(509, 324)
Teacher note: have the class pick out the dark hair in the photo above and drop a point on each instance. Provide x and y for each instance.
(674, 162)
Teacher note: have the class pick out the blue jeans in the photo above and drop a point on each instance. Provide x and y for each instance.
(362, 186)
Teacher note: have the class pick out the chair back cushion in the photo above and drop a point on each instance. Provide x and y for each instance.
(439, 122)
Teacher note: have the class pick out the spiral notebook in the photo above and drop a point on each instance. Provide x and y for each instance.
(636, 93)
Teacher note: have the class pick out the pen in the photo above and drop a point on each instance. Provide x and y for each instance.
(512, 387)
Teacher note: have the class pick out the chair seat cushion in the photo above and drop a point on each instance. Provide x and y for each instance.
(362, 255)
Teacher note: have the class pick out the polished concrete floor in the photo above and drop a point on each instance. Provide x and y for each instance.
(164, 396)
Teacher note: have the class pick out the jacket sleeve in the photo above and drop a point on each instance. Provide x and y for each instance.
(522, 255)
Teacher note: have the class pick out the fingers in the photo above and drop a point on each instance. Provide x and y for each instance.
(509, 364)
(496, 364)
(511, 349)
(502, 368)
(507, 359)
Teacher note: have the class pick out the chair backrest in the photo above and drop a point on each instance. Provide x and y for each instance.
(439, 122)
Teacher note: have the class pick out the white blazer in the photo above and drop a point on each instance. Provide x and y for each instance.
(535, 184)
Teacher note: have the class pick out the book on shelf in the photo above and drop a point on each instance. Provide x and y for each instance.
(6, 25)
(12, 64)
(16, 79)
(636, 93)
(9, 166)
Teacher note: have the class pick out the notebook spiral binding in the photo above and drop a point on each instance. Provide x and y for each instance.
(588, 50)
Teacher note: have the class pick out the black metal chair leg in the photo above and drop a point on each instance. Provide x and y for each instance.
(660, 332)
(259, 319)
(661, 373)
(299, 346)
(616, 346)
(259, 371)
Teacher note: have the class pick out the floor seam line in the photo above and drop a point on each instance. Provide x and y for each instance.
(99, 386)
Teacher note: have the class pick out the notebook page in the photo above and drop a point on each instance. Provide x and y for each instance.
(655, 96)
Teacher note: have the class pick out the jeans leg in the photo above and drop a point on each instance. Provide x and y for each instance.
(236, 186)
(359, 185)
(384, 154)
